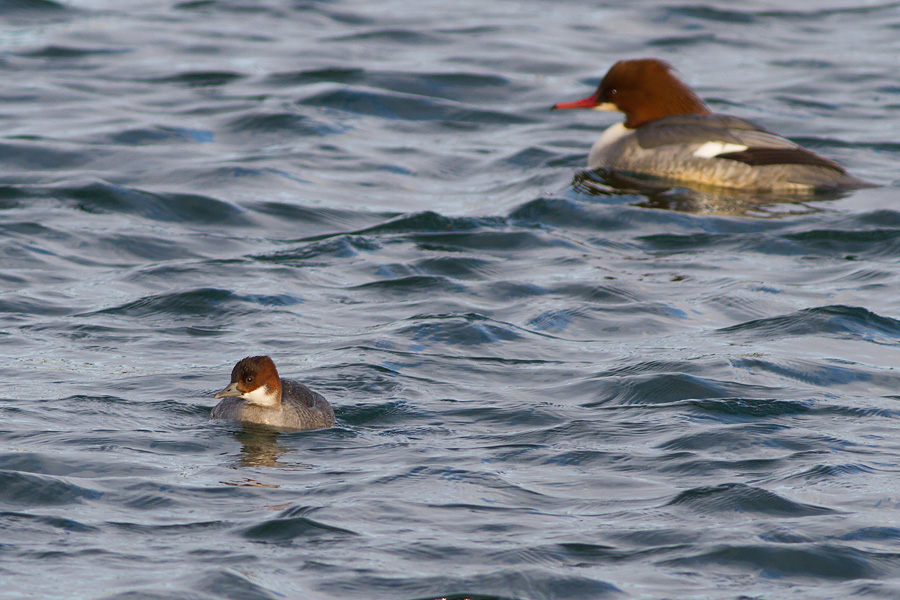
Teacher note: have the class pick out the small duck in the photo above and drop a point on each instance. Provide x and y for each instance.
(670, 133)
(257, 394)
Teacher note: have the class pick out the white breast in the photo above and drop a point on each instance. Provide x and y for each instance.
(602, 152)
(612, 135)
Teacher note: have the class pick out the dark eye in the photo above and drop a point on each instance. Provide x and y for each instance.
(249, 379)
(613, 92)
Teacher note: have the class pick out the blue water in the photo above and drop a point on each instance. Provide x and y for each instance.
(545, 388)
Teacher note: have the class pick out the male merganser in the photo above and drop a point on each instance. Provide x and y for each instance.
(670, 133)
(257, 394)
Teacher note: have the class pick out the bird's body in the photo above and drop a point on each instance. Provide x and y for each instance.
(670, 133)
(258, 395)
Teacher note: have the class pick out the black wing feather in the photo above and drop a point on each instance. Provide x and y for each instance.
(781, 156)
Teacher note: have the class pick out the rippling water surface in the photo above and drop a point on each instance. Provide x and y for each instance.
(545, 388)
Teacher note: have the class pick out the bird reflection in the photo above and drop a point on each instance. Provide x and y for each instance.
(259, 446)
(699, 200)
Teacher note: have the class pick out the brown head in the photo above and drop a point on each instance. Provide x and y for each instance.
(256, 380)
(644, 89)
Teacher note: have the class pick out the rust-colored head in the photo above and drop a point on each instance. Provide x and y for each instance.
(644, 89)
(254, 379)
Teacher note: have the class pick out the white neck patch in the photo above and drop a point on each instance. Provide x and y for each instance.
(261, 397)
(612, 134)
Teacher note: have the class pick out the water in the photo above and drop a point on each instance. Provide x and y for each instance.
(544, 388)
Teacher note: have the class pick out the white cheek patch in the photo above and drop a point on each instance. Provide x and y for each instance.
(606, 106)
(260, 397)
(711, 149)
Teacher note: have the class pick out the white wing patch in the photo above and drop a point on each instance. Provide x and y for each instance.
(711, 149)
